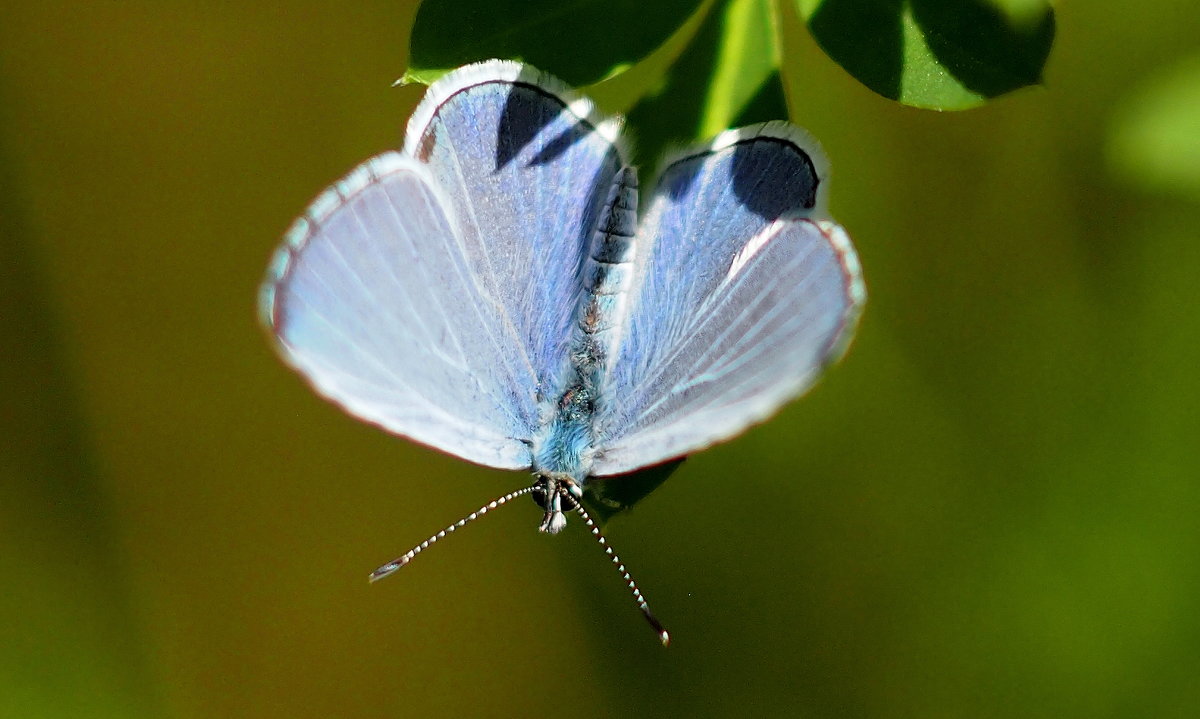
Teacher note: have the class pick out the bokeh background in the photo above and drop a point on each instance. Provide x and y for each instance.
(988, 509)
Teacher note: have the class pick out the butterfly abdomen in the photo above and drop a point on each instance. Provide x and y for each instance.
(608, 272)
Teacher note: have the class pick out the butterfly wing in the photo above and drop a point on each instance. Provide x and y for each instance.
(528, 195)
(430, 292)
(372, 300)
(741, 296)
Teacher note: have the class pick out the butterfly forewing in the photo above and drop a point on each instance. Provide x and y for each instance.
(741, 296)
(528, 166)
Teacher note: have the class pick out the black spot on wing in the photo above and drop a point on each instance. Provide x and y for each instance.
(770, 176)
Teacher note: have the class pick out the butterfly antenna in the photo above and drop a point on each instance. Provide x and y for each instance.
(407, 557)
(663, 636)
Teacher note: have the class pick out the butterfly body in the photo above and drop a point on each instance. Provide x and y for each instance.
(563, 446)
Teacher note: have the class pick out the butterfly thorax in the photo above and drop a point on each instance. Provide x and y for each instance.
(564, 445)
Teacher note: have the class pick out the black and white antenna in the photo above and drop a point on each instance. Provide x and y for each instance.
(407, 557)
(572, 502)
(663, 635)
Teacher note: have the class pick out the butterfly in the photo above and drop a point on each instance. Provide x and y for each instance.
(492, 290)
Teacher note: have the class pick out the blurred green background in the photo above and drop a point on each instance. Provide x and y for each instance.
(988, 509)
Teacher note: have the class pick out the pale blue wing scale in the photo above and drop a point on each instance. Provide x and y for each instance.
(743, 293)
(527, 165)
(373, 301)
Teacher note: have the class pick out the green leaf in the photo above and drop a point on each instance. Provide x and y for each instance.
(726, 77)
(627, 86)
(580, 42)
(747, 58)
(936, 54)
(609, 496)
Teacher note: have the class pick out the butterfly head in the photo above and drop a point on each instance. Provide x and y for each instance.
(556, 494)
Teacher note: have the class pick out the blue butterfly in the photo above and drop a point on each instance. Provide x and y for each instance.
(492, 291)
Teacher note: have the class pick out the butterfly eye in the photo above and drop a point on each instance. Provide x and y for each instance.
(540, 497)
